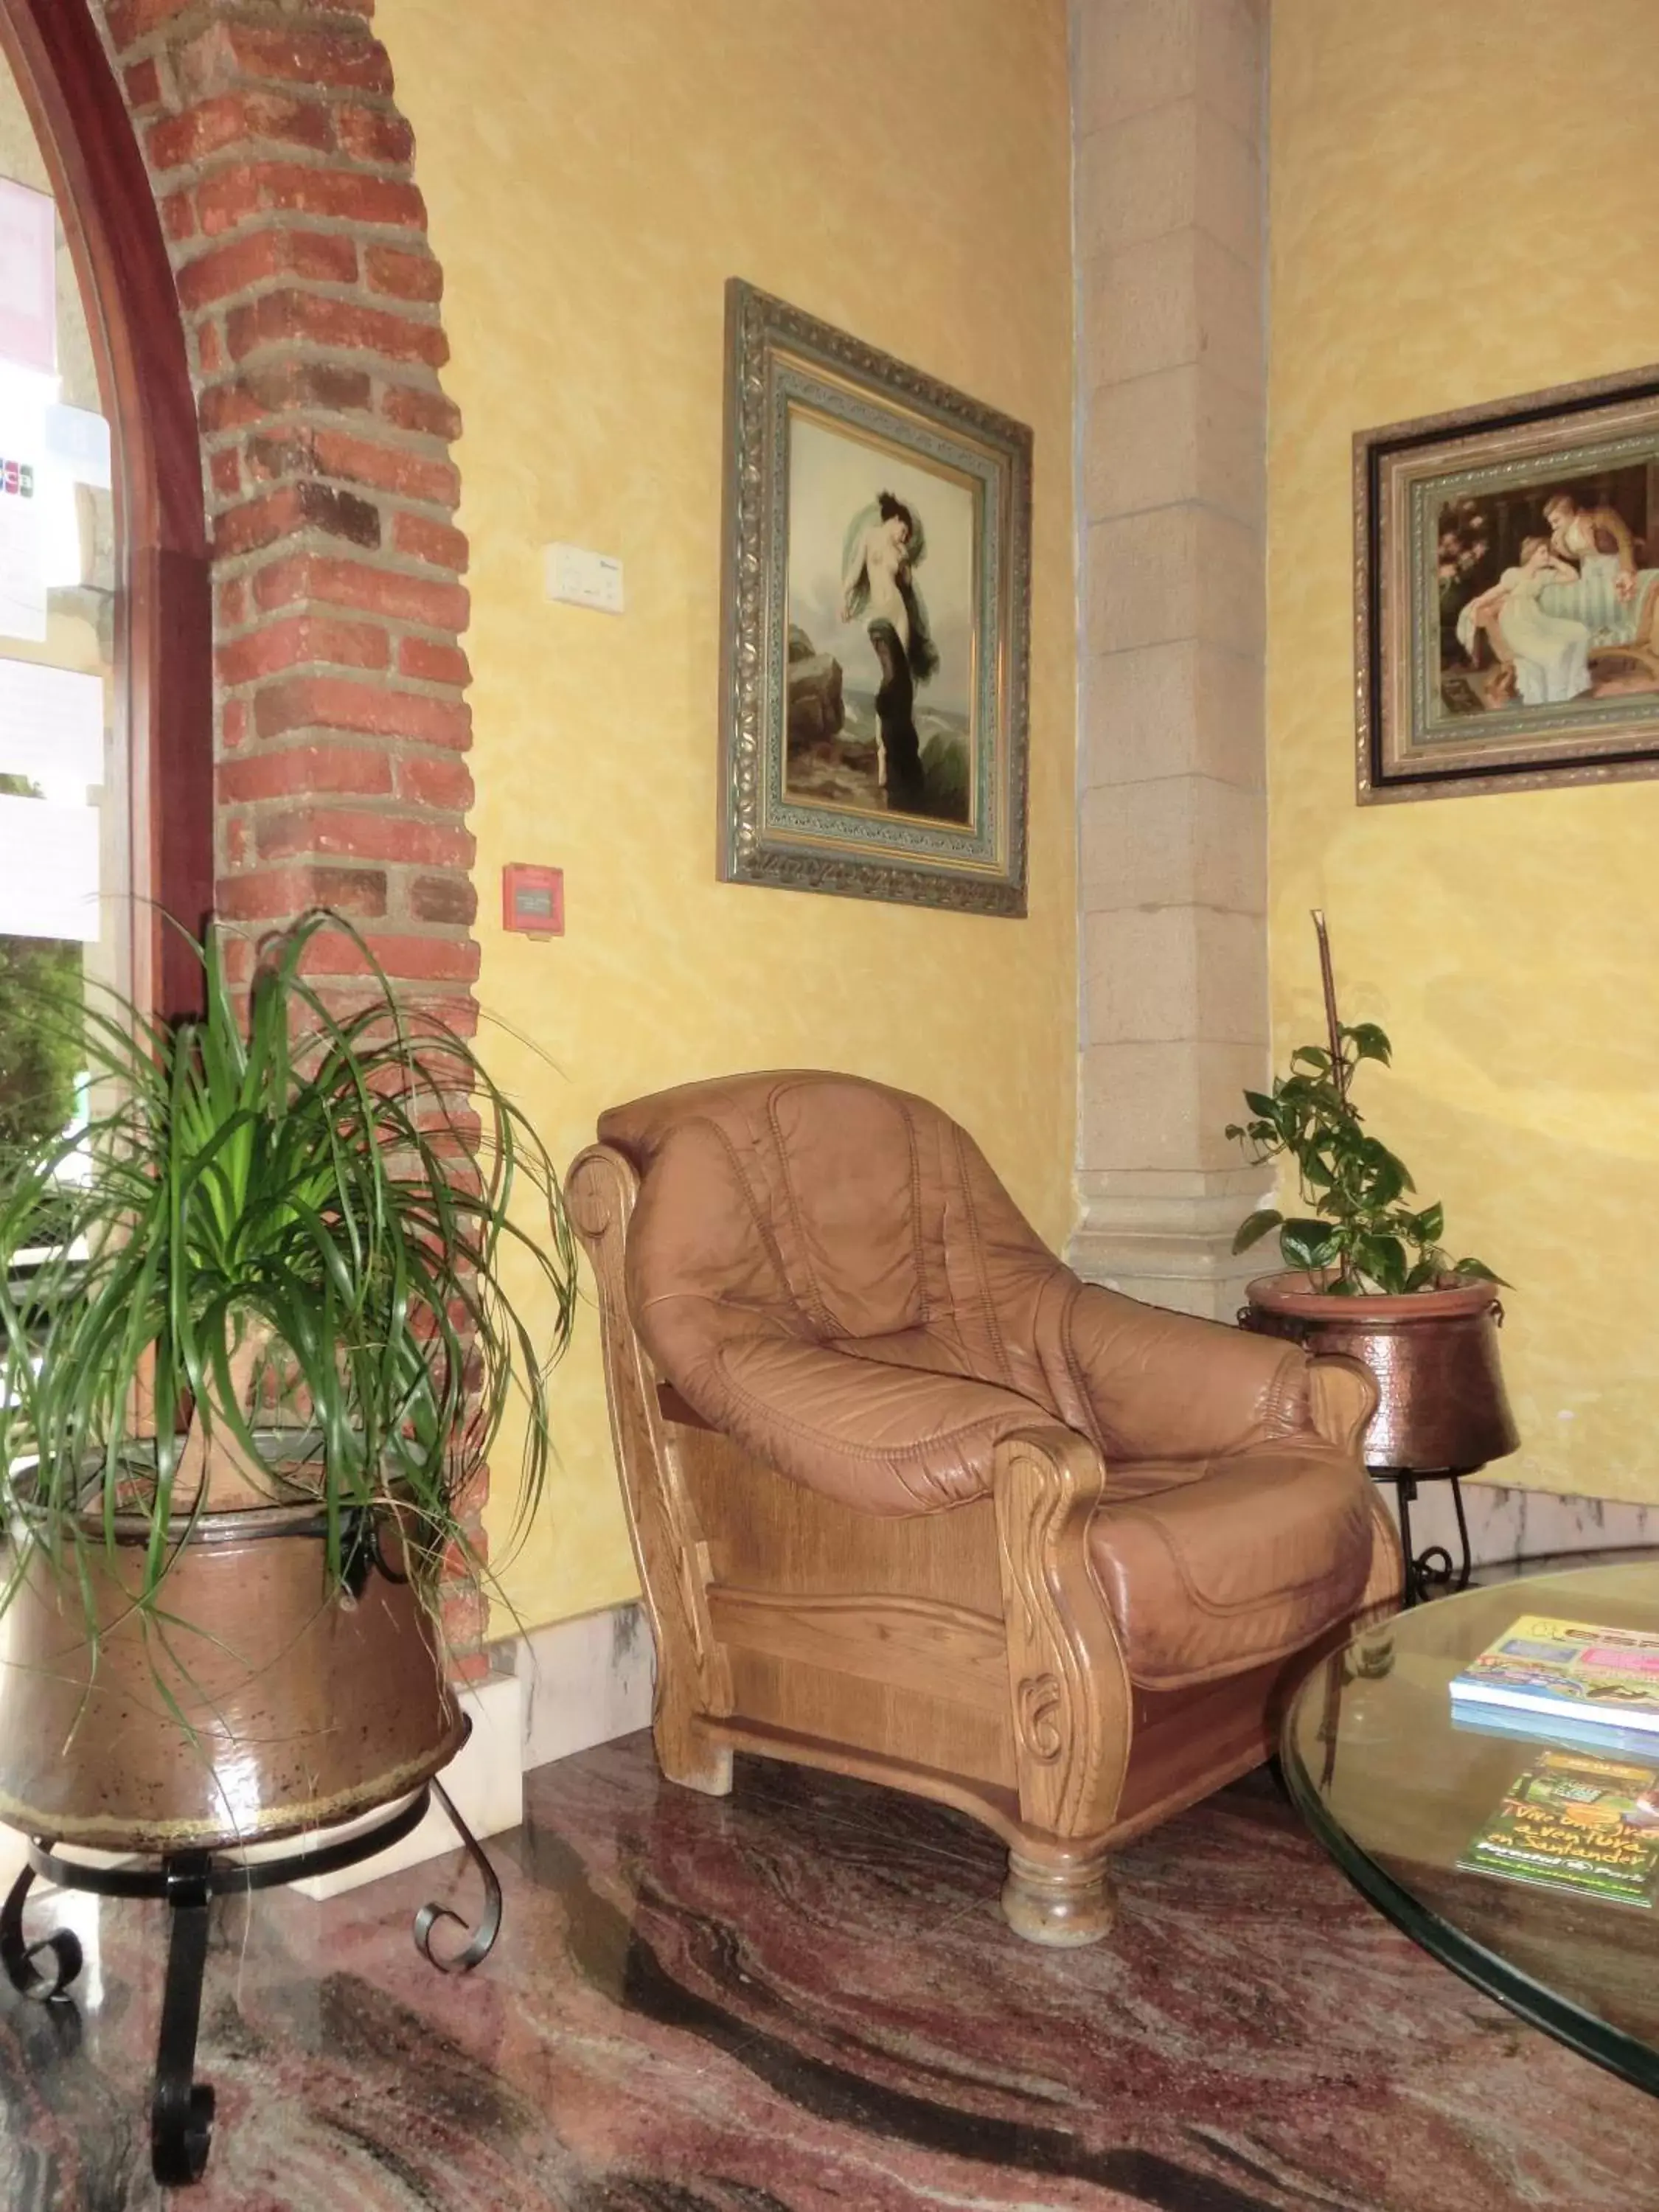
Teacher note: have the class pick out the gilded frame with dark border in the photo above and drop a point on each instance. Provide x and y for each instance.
(1532, 432)
(765, 837)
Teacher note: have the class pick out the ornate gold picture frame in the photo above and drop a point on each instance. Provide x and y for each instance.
(1507, 593)
(875, 617)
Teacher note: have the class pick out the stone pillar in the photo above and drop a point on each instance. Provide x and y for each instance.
(1168, 120)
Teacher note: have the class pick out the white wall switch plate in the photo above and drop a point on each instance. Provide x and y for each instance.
(582, 578)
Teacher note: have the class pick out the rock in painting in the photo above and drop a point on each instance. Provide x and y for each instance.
(816, 708)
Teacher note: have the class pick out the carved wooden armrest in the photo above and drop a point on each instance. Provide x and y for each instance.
(1072, 1701)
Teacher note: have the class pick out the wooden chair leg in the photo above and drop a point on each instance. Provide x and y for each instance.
(1063, 1899)
(686, 1752)
(1069, 1687)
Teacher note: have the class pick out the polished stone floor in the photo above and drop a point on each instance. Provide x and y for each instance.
(803, 1999)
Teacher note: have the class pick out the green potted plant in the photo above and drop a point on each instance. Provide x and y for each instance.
(1365, 1272)
(244, 1399)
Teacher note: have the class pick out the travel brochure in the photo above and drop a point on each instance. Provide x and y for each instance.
(1584, 1817)
(1562, 1671)
(1572, 1821)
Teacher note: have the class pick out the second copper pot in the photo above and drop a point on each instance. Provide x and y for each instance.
(1435, 1357)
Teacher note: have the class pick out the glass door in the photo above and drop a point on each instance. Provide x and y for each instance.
(66, 908)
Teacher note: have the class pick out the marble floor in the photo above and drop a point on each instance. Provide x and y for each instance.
(803, 1999)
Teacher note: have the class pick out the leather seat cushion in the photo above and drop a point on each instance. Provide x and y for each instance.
(1260, 1555)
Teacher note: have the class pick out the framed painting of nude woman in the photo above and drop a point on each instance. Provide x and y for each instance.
(1507, 593)
(875, 619)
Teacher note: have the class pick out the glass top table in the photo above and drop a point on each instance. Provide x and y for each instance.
(1396, 1793)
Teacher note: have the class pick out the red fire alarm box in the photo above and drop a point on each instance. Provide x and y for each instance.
(532, 900)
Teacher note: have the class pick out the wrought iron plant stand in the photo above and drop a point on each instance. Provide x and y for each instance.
(181, 2107)
(271, 1663)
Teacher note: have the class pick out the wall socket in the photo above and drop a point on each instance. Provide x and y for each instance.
(582, 578)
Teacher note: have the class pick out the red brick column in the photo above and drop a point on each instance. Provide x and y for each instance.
(310, 297)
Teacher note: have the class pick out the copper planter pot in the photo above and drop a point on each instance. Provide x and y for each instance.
(305, 1707)
(1434, 1354)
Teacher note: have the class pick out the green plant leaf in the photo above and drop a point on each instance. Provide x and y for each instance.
(1388, 1181)
(1427, 1226)
(1383, 1259)
(1308, 1244)
(1259, 1102)
(1255, 1226)
(1478, 1271)
(1369, 1043)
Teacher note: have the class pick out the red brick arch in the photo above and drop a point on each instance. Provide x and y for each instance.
(310, 298)
(311, 301)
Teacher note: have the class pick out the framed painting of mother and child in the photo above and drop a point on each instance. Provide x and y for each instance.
(875, 618)
(1507, 593)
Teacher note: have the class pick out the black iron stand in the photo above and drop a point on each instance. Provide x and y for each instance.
(1430, 1572)
(181, 2107)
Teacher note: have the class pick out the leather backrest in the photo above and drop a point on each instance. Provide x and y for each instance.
(829, 1271)
(840, 1208)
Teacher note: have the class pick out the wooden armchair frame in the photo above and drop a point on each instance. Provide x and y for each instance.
(965, 1654)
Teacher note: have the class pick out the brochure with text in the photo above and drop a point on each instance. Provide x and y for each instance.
(1562, 1669)
(1574, 1822)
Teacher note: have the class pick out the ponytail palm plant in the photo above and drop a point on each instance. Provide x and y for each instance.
(296, 1259)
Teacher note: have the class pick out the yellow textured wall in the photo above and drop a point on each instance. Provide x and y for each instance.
(1463, 208)
(594, 173)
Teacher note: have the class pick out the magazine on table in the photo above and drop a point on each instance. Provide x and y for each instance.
(1569, 1730)
(1564, 1671)
(1577, 1823)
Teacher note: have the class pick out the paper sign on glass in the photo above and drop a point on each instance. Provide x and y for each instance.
(51, 724)
(22, 554)
(28, 277)
(48, 870)
(77, 441)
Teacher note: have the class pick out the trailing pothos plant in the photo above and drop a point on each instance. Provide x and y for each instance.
(1364, 1233)
(295, 1239)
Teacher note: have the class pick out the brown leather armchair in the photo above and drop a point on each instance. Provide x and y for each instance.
(912, 1502)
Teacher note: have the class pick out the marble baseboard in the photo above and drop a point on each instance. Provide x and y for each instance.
(556, 1690)
(585, 1681)
(1507, 1524)
(485, 1780)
